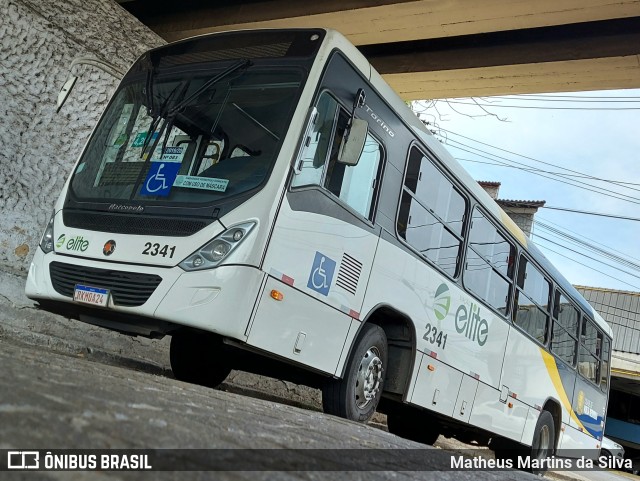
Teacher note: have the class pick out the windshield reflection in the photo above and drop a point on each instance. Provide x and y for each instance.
(189, 139)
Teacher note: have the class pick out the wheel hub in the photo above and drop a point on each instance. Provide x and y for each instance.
(369, 378)
(544, 444)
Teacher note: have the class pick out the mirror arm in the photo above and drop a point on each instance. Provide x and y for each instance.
(71, 81)
(357, 103)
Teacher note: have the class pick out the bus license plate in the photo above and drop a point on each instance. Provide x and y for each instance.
(91, 295)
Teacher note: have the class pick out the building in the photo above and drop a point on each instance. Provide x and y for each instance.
(621, 309)
(520, 211)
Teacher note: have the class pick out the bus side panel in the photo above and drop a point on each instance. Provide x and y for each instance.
(527, 376)
(498, 417)
(534, 376)
(574, 439)
(298, 327)
(529, 427)
(582, 403)
(323, 261)
(320, 254)
(450, 325)
(589, 404)
(437, 386)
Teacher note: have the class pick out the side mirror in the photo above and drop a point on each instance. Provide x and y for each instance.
(355, 134)
(353, 142)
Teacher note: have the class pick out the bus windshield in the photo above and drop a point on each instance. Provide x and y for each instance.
(189, 137)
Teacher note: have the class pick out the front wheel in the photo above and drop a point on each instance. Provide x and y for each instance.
(199, 358)
(356, 396)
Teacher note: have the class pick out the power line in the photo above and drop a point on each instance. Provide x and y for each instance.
(588, 257)
(607, 254)
(577, 96)
(528, 169)
(586, 212)
(588, 267)
(537, 160)
(584, 99)
(564, 180)
(566, 229)
(478, 104)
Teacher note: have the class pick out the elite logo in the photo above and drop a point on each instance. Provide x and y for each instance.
(471, 324)
(60, 241)
(468, 319)
(77, 243)
(442, 302)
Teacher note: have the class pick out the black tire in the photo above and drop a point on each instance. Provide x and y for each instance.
(507, 450)
(199, 358)
(544, 439)
(413, 425)
(349, 397)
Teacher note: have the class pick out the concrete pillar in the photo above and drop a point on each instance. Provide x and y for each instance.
(38, 41)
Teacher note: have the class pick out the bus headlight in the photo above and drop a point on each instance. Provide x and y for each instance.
(214, 252)
(46, 244)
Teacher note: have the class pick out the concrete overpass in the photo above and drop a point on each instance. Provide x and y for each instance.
(446, 48)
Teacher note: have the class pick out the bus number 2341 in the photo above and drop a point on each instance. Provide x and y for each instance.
(156, 250)
(435, 336)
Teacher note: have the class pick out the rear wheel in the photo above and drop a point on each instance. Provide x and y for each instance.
(356, 396)
(413, 425)
(544, 438)
(199, 358)
(507, 450)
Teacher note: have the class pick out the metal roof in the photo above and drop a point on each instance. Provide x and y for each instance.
(621, 310)
(521, 203)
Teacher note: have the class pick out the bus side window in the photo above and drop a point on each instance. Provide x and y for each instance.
(564, 334)
(605, 362)
(354, 184)
(432, 213)
(588, 363)
(487, 267)
(532, 301)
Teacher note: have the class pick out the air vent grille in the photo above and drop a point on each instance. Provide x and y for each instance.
(132, 224)
(349, 274)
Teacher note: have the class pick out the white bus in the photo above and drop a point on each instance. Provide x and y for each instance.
(268, 201)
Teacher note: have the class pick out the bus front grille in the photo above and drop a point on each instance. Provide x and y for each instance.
(127, 288)
(132, 224)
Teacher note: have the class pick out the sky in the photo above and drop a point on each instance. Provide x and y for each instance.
(594, 134)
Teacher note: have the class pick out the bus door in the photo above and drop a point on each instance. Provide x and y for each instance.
(322, 247)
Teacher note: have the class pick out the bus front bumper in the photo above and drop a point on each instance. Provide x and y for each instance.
(218, 300)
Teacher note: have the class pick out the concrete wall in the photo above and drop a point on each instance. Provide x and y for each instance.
(38, 41)
(523, 219)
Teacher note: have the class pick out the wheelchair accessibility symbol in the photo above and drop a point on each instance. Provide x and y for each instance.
(321, 274)
(160, 178)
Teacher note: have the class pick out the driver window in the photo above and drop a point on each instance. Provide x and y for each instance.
(315, 154)
(354, 185)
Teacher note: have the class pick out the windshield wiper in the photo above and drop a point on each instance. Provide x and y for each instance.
(169, 113)
(241, 65)
(155, 119)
